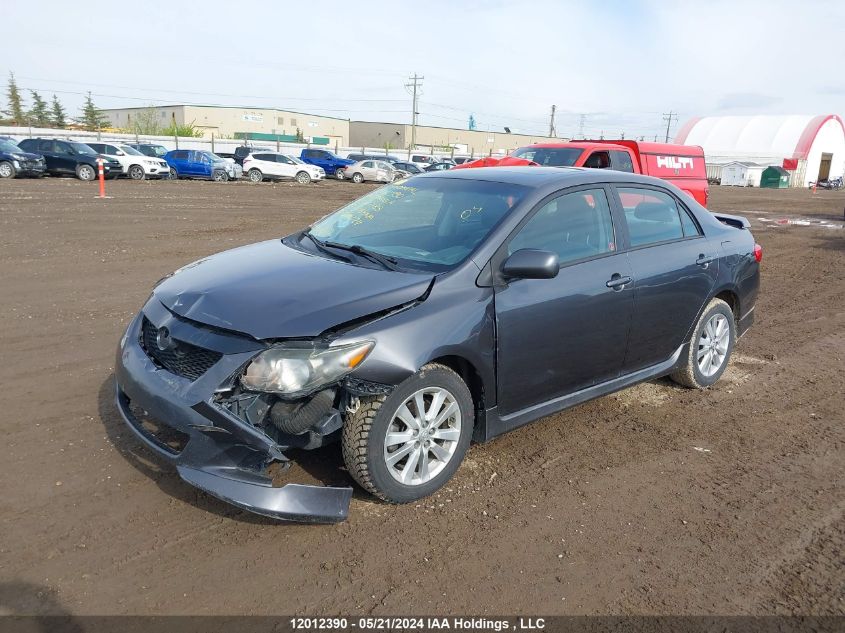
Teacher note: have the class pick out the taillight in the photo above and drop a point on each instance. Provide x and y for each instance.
(758, 253)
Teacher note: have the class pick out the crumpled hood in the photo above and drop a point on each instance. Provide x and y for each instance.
(269, 290)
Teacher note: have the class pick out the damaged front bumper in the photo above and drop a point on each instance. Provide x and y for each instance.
(211, 448)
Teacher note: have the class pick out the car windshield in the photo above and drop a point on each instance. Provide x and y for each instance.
(130, 150)
(82, 148)
(8, 146)
(428, 223)
(214, 157)
(550, 156)
(294, 159)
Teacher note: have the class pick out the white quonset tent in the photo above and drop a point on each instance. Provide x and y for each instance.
(815, 144)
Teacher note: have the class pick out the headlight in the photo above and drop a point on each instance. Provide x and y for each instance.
(297, 370)
(150, 161)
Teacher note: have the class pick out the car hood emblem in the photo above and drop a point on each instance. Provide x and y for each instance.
(163, 340)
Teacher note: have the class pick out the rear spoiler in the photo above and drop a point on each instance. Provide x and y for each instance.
(736, 221)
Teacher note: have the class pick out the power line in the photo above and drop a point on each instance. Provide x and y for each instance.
(668, 117)
(415, 86)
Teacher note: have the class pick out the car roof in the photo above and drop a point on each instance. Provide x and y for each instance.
(536, 177)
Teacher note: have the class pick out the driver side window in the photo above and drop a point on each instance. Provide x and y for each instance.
(575, 225)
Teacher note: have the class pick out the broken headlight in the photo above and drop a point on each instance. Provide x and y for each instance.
(293, 371)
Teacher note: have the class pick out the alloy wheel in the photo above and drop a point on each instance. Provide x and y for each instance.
(713, 344)
(423, 436)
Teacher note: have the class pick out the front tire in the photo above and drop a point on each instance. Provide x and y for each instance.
(7, 170)
(85, 172)
(710, 347)
(220, 176)
(136, 172)
(339, 174)
(357, 178)
(303, 178)
(405, 446)
(255, 175)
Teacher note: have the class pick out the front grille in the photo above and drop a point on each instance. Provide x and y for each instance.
(182, 359)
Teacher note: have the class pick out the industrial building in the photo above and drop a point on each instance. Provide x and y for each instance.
(809, 148)
(264, 124)
(474, 142)
(286, 126)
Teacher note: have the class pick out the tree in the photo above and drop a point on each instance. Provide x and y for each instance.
(92, 117)
(39, 114)
(299, 136)
(59, 116)
(15, 112)
(147, 122)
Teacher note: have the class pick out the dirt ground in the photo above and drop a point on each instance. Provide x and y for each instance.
(654, 500)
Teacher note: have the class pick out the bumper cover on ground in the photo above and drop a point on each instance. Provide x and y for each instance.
(221, 455)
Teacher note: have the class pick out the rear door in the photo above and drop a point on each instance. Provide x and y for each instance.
(556, 336)
(179, 160)
(674, 269)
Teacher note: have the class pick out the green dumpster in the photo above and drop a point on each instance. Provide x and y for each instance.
(774, 178)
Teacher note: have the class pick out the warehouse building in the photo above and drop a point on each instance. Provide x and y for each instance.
(260, 124)
(809, 148)
(474, 142)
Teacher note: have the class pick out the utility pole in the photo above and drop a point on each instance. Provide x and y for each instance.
(581, 125)
(668, 118)
(415, 85)
(552, 131)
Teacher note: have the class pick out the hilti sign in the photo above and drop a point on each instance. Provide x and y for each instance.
(675, 162)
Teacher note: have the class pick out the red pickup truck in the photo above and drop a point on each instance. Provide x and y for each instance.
(682, 165)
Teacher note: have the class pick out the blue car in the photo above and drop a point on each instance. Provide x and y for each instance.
(192, 163)
(333, 165)
(16, 162)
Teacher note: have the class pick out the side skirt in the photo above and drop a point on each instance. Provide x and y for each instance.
(496, 424)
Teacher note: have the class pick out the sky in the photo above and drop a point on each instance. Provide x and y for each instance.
(609, 67)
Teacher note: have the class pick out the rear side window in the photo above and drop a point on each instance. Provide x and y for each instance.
(268, 157)
(652, 216)
(598, 160)
(181, 154)
(621, 161)
(575, 226)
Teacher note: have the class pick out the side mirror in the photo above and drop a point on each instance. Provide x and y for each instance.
(530, 263)
(120, 153)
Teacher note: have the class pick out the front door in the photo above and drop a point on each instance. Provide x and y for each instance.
(557, 336)
(674, 268)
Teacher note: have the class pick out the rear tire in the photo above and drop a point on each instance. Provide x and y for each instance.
(710, 347)
(429, 454)
(7, 170)
(255, 175)
(174, 175)
(85, 172)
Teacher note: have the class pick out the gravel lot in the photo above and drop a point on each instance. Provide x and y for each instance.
(653, 500)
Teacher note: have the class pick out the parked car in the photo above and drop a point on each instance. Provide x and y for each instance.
(377, 330)
(411, 168)
(134, 163)
(14, 161)
(243, 151)
(333, 165)
(275, 166)
(422, 159)
(70, 157)
(682, 165)
(150, 149)
(192, 163)
(385, 157)
(377, 170)
(439, 166)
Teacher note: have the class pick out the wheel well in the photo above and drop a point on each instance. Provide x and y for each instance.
(732, 300)
(469, 374)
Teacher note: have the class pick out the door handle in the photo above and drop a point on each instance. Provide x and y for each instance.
(618, 282)
(704, 260)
